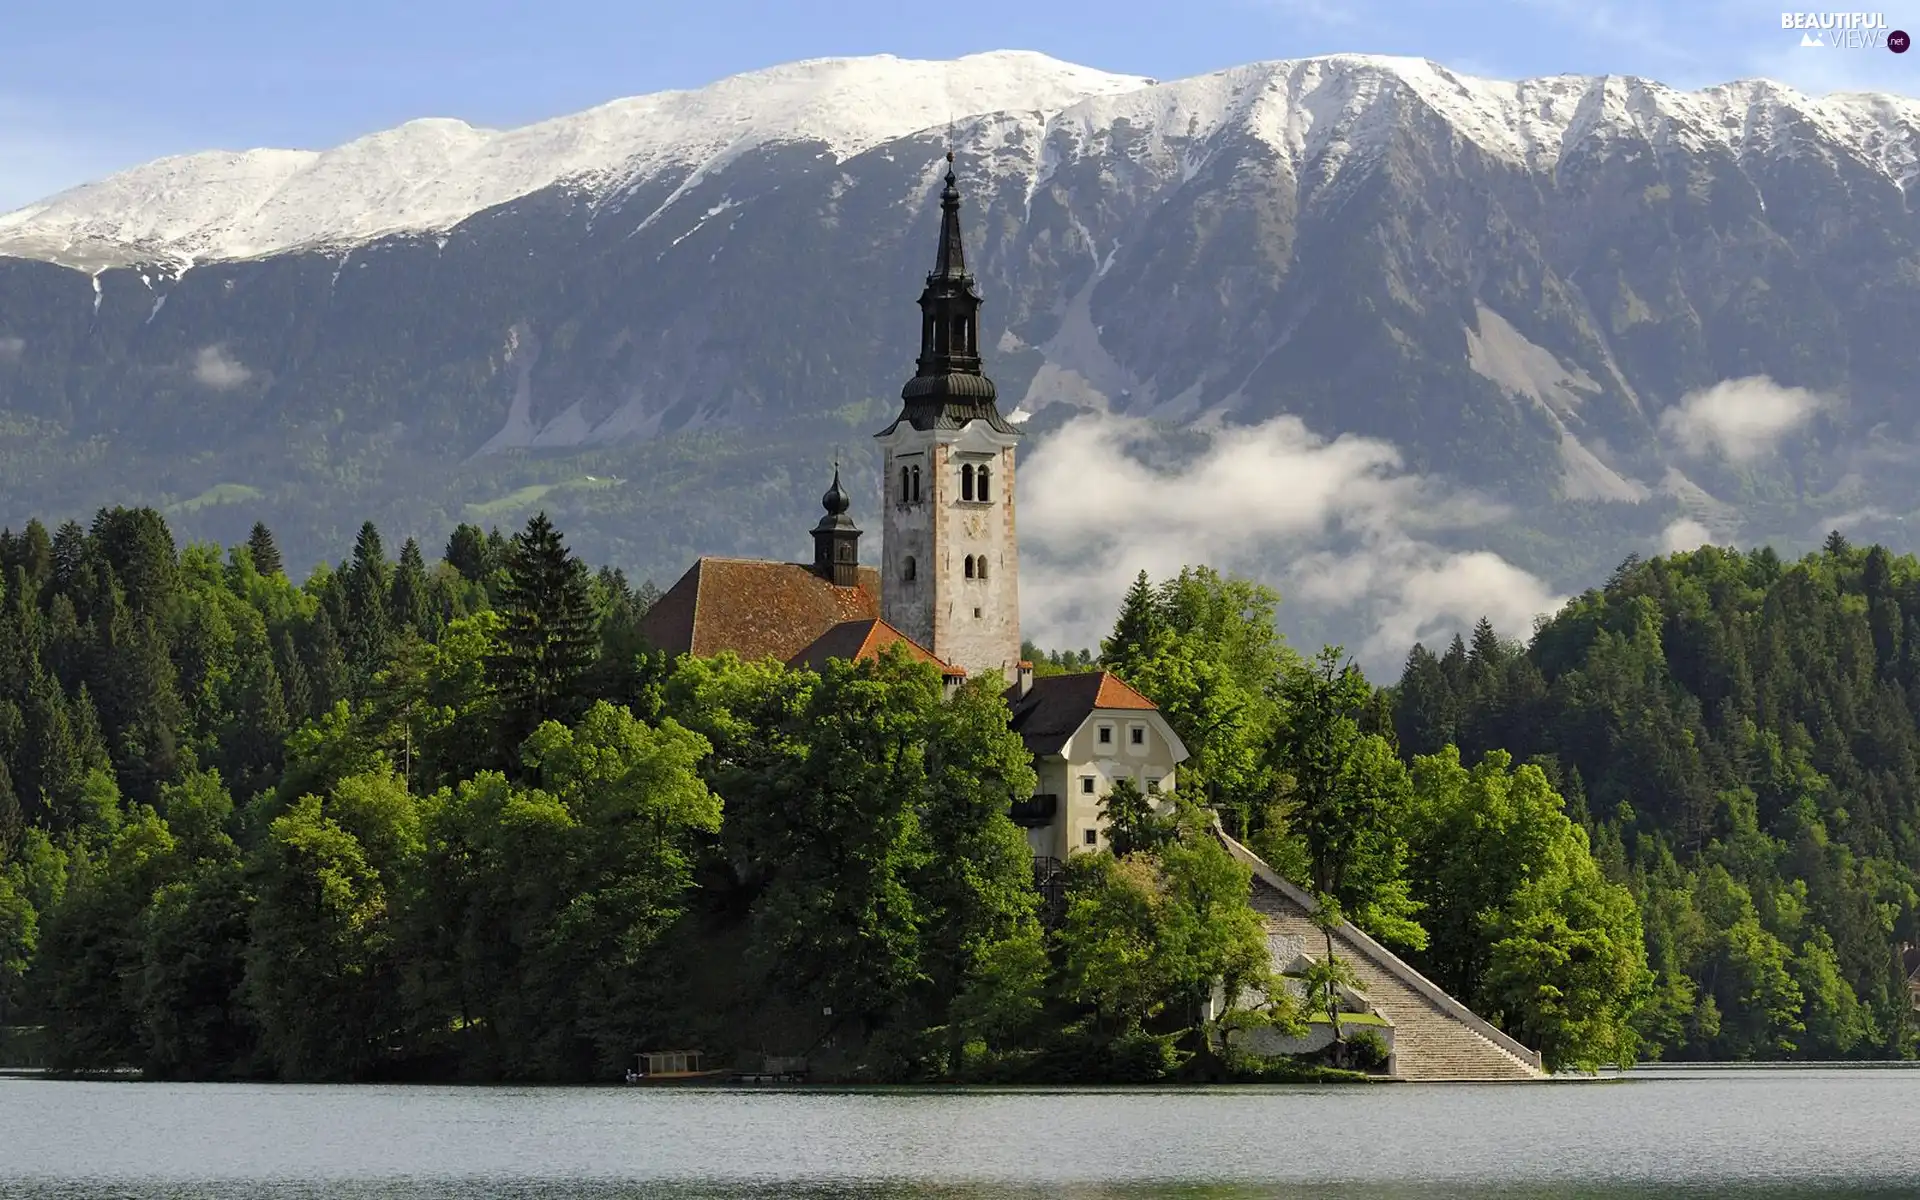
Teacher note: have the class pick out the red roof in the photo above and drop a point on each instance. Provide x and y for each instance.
(1056, 706)
(755, 608)
(863, 639)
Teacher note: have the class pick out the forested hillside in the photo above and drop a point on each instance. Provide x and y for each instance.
(452, 819)
(1739, 733)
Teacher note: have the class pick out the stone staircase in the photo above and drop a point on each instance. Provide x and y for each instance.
(1435, 1037)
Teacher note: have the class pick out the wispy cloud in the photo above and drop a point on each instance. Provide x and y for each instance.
(219, 370)
(1684, 534)
(1738, 419)
(1339, 526)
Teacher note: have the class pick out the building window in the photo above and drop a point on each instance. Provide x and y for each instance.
(980, 484)
(969, 566)
(1106, 735)
(1090, 837)
(966, 482)
(1153, 787)
(980, 567)
(976, 614)
(906, 493)
(959, 334)
(1137, 736)
(916, 484)
(1086, 785)
(908, 569)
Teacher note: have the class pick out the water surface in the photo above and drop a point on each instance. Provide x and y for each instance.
(1852, 1133)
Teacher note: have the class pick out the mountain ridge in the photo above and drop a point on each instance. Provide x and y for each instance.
(832, 101)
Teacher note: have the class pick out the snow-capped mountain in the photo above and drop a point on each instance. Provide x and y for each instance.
(432, 174)
(1527, 286)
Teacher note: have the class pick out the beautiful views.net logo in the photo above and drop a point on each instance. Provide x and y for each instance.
(1846, 31)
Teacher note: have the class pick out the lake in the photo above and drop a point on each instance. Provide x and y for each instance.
(1649, 1133)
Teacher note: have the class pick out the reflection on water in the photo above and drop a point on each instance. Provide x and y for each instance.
(1750, 1134)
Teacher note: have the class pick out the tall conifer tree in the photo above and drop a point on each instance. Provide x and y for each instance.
(264, 551)
(548, 638)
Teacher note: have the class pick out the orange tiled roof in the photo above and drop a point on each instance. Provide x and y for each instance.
(755, 608)
(1116, 692)
(1056, 706)
(857, 640)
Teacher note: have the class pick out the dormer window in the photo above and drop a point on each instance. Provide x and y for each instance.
(966, 482)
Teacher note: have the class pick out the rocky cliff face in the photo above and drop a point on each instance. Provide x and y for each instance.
(1616, 308)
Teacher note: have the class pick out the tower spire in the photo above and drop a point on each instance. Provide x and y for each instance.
(948, 387)
(951, 260)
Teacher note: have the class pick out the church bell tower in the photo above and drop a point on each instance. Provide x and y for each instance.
(950, 563)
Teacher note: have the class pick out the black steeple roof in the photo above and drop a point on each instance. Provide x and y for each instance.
(836, 539)
(948, 388)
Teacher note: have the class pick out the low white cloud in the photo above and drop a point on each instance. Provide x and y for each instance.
(1347, 524)
(11, 348)
(1738, 419)
(1684, 534)
(219, 370)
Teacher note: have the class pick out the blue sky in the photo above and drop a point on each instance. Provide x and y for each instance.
(88, 89)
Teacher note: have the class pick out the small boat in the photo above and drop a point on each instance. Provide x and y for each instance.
(670, 1066)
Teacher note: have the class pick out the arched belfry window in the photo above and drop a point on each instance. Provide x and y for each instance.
(907, 570)
(980, 484)
(966, 482)
(960, 334)
(916, 484)
(980, 567)
(906, 493)
(969, 566)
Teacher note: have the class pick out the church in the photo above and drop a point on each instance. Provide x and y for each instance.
(947, 589)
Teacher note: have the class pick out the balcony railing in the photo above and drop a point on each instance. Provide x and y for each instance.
(1035, 811)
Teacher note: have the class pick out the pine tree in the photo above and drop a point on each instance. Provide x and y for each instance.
(407, 601)
(547, 636)
(1425, 708)
(69, 554)
(1133, 632)
(138, 549)
(294, 682)
(469, 553)
(326, 663)
(32, 553)
(12, 819)
(368, 579)
(264, 551)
